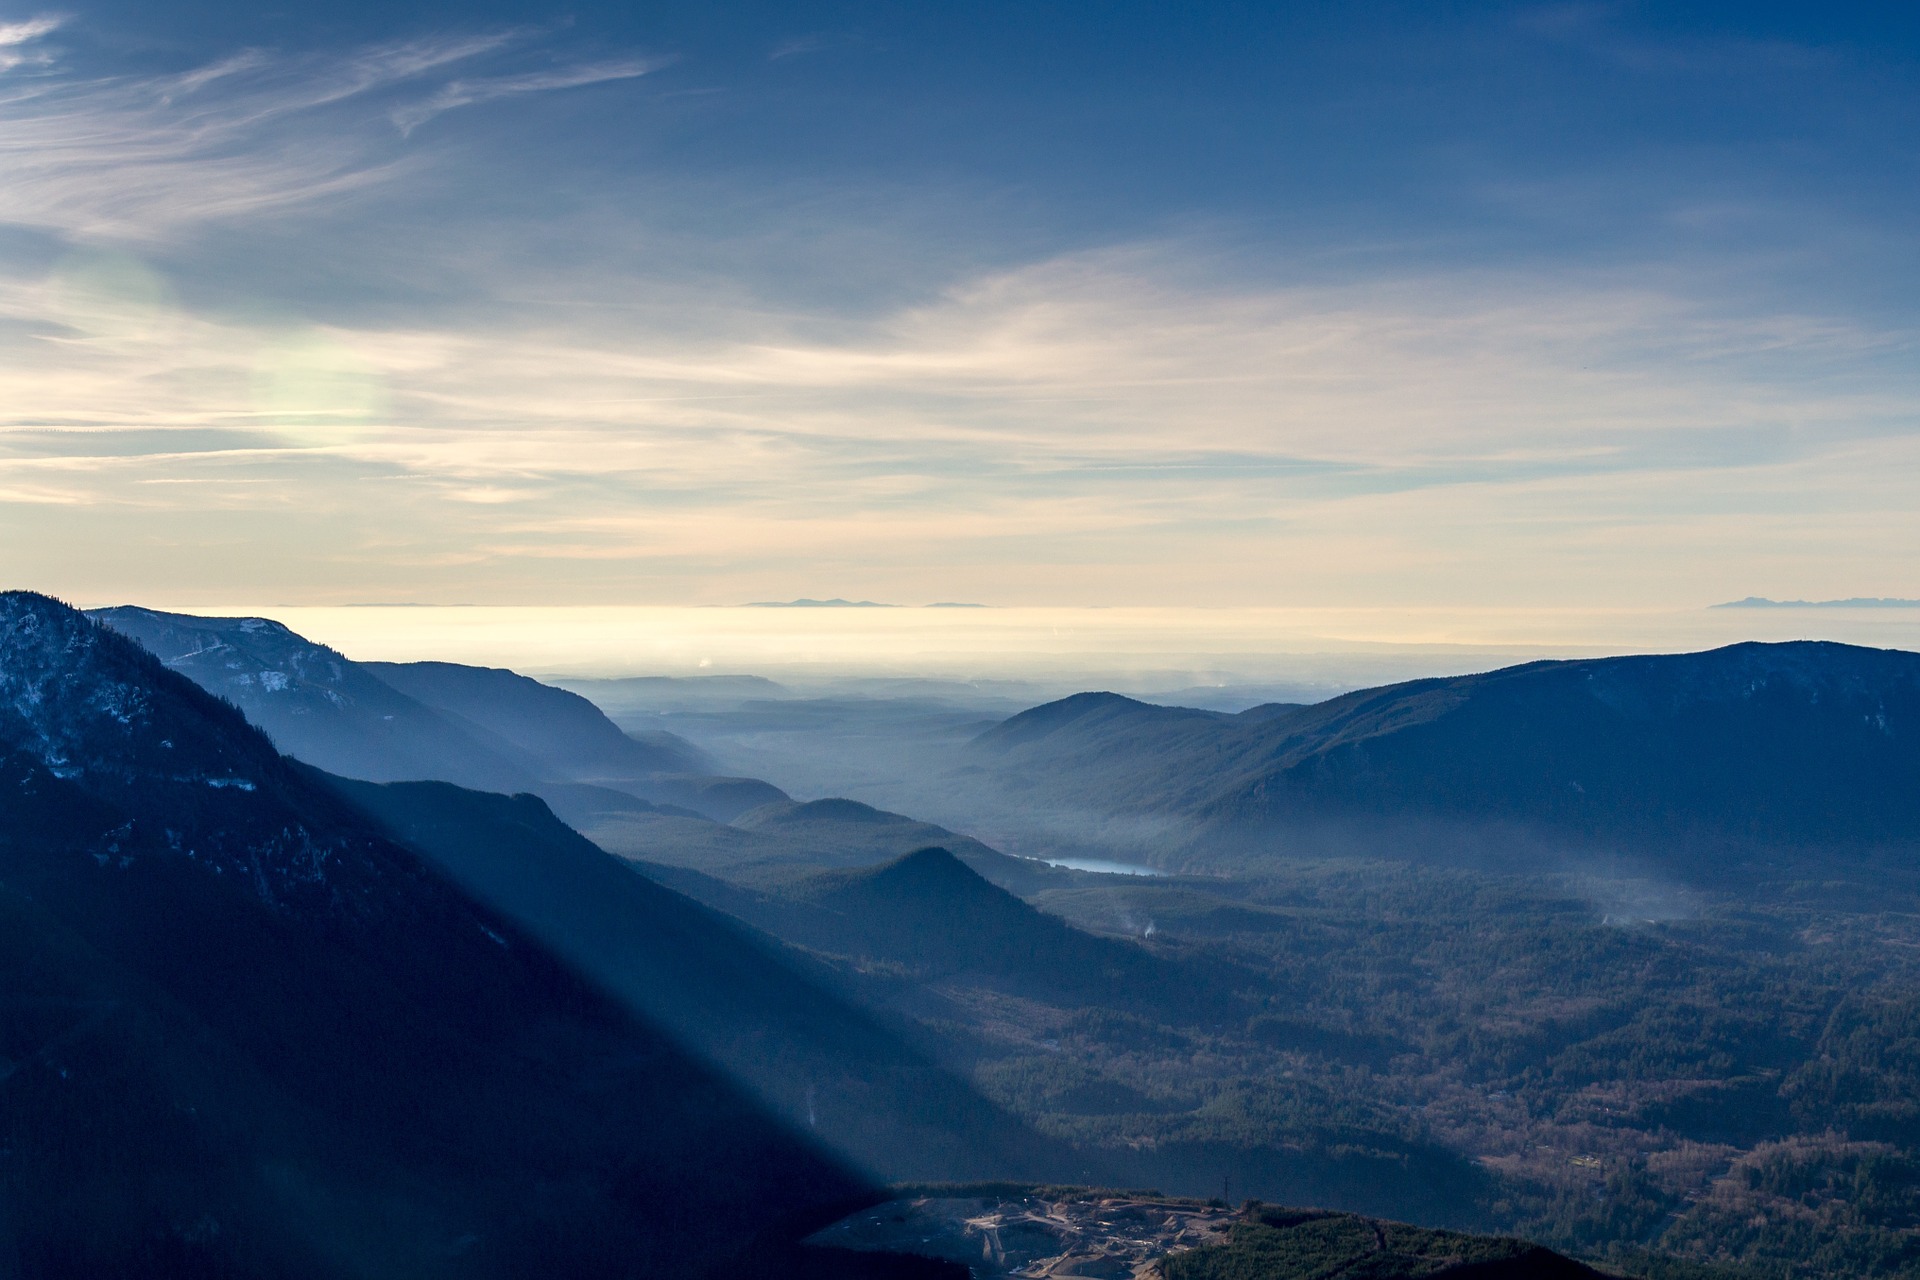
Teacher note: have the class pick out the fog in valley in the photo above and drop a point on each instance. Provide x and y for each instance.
(897, 744)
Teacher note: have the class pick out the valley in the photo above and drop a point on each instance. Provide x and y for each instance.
(1625, 1055)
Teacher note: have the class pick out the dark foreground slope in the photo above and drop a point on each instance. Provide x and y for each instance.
(1290, 1244)
(242, 1033)
(734, 996)
(1003, 1230)
(1751, 750)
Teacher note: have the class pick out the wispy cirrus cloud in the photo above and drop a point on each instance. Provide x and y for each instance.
(468, 92)
(146, 157)
(798, 46)
(1597, 29)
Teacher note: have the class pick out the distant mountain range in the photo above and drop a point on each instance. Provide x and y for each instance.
(838, 603)
(835, 603)
(648, 795)
(1698, 760)
(1855, 602)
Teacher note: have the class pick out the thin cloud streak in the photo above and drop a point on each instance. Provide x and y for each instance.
(14, 33)
(1104, 355)
(145, 158)
(465, 93)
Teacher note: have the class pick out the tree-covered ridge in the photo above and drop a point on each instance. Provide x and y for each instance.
(1699, 762)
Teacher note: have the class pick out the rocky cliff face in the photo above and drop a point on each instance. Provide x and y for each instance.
(132, 762)
(321, 707)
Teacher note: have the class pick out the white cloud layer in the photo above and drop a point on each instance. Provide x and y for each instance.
(1099, 421)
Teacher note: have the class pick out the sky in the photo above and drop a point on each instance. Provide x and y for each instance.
(1437, 307)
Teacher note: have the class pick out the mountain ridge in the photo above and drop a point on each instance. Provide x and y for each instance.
(1802, 745)
(308, 1052)
(485, 728)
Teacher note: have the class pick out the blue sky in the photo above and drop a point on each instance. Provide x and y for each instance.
(1330, 305)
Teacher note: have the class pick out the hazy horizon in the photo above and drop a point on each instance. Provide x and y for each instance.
(1137, 650)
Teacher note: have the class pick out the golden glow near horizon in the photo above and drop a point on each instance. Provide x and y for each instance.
(1135, 647)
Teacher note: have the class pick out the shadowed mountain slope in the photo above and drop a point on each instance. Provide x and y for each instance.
(863, 835)
(937, 918)
(577, 744)
(242, 1032)
(773, 844)
(321, 707)
(478, 727)
(1803, 746)
(563, 730)
(734, 996)
(1088, 715)
(931, 911)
